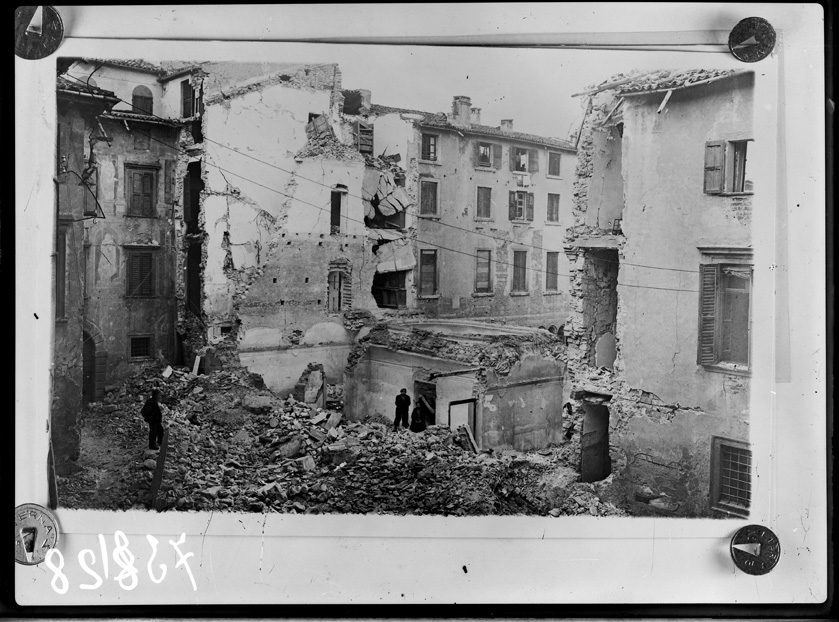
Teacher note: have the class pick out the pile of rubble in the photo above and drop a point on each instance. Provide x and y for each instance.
(233, 445)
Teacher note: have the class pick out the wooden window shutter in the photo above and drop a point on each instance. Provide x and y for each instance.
(512, 158)
(496, 156)
(476, 154)
(532, 160)
(714, 167)
(147, 193)
(136, 192)
(512, 205)
(709, 278)
(186, 99)
(169, 181)
(530, 202)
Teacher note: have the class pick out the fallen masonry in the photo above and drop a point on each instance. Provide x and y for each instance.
(233, 445)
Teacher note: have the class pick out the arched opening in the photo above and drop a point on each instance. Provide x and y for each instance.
(142, 101)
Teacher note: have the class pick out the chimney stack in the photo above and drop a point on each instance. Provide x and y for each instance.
(476, 116)
(461, 114)
(507, 125)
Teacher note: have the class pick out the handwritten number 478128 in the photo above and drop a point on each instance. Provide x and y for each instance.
(124, 558)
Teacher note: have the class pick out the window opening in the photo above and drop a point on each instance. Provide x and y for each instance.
(483, 271)
(551, 272)
(724, 314)
(519, 271)
(553, 208)
(187, 99)
(140, 347)
(484, 154)
(521, 205)
(140, 274)
(142, 101)
(429, 147)
(484, 202)
(726, 167)
(553, 164)
(428, 272)
(141, 191)
(428, 198)
(595, 462)
(389, 289)
(731, 486)
(338, 199)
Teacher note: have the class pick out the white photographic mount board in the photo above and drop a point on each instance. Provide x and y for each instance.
(281, 559)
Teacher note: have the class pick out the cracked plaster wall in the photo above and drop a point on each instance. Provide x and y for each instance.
(666, 408)
(241, 217)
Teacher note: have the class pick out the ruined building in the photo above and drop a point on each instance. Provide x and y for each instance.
(285, 217)
(661, 236)
(115, 255)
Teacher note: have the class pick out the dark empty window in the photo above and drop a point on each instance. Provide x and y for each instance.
(140, 347)
(553, 164)
(483, 271)
(142, 100)
(519, 271)
(429, 147)
(428, 198)
(389, 289)
(187, 99)
(428, 272)
(140, 274)
(551, 272)
(725, 293)
(731, 478)
(553, 208)
(484, 203)
(337, 202)
(141, 185)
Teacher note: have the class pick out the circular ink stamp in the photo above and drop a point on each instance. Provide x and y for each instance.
(752, 39)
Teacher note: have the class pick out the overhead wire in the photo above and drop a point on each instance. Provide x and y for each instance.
(323, 209)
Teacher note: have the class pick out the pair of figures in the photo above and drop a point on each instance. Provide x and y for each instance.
(403, 405)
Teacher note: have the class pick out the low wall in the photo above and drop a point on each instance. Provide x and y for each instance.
(281, 369)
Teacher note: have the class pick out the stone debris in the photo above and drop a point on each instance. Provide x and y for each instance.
(253, 451)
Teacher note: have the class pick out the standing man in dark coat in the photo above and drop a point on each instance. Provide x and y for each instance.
(151, 413)
(403, 405)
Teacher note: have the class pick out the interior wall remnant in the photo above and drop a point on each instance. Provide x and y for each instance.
(600, 298)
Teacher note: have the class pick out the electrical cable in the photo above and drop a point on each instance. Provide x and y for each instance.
(496, 261)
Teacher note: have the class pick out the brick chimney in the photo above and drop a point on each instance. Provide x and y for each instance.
(507, 125)
(461, 110)
(475, 117)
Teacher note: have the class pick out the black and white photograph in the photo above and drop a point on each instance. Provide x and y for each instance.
(319, 297)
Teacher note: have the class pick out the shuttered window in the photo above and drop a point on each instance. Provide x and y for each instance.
(142, 100)
(553, 208)
(429, 147)
(483, 271)
(141, 189)
(724, 314)
(487, 155)
(428, 198)
(484, 209)
(519, 271)
(428, 272)
(140, 347)
(521, 205)
(552, 272)
(553, 164)
(140, 270)
(714, 167)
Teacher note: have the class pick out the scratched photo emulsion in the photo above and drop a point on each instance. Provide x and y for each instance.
(333, 287)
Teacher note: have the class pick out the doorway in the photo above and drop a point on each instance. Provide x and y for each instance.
(595, 462)
(425, 396)
(462, 412)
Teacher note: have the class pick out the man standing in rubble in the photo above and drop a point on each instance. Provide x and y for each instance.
(151, 413)
(403, 405)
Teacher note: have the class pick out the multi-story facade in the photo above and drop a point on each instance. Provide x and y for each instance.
(493, 205)
(114, 248)
(665, 155)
